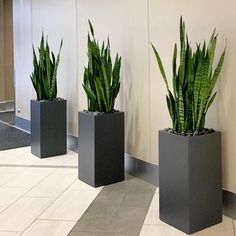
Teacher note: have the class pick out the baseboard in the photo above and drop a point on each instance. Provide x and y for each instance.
(229, 204)
(22, 124)
(72, 143)
(141, 169)
(7, 106)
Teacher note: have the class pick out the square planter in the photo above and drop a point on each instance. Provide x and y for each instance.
(101, 148)
(190, 180)
(48, 128)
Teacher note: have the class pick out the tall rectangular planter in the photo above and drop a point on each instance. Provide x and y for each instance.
(48, 128)
(190, 180)
(101, 148)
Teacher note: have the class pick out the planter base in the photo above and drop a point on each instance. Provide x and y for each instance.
(190, 181)
(48, 128)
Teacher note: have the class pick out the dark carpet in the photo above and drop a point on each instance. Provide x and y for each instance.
(11, 137)
(8, 117)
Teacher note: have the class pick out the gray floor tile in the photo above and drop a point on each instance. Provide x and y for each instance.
(119, 209)
(127, 220)
(137, 199)
(131, 184)
(74, 233)
(96, 219)
(107, 198)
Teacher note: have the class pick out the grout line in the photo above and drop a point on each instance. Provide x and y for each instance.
(234, 230)
(2, 231)
(5, 123)
(55, 199)
(39, 166)
(120, 234)
(23, 195)
(56, 220)
(16, 174)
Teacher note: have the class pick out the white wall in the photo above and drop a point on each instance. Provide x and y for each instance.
(131, 25)
(31, 17)
(123, 25)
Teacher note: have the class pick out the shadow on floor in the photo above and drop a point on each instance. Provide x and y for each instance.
(119, 209)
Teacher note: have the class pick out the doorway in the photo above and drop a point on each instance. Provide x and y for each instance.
(7, 96)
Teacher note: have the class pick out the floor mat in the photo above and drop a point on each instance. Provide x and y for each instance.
(11, 137)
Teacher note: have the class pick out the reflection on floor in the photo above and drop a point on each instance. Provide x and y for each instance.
(8, 117)
(43, 197)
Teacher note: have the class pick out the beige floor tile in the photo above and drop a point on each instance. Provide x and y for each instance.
(9, 156)
(67, 171)
(9, 233)
(19, 158)
(72, 160)
(6, 176)
(80, 185)
(22, 213)
(23, 156)
(52, 186)
(49, 228)
(223, 229)
(70, 205)
(29, 159)
(56, 160)
(29, 177)
(153, 212)
(10, 195)
(12, 169)
(160, 230)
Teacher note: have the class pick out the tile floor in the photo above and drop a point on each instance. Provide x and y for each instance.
(119, 209)
(32, 204)
(154, 227)
(41, 197)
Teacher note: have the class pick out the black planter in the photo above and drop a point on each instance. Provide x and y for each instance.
(48, 128)
(101, 148)
(190, 180)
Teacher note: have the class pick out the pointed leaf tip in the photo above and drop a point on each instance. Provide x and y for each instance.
(91, 28)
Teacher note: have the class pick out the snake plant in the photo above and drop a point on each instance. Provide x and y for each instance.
(101, 79)
(44, 76)
(193, 83)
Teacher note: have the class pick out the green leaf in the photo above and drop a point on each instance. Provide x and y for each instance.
(161, 66)
(100, 76)
(181, 111)
(210, 101)
(91, 28)
(174, 71)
